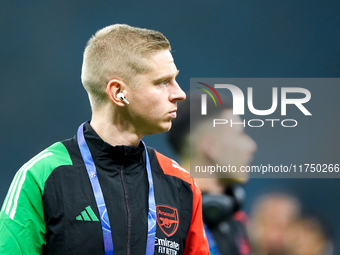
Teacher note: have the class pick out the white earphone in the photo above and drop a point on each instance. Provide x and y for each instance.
(121, 96)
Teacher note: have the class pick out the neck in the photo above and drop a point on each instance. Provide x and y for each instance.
(113, 129)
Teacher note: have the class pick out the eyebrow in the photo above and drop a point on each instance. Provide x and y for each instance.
(166, 77)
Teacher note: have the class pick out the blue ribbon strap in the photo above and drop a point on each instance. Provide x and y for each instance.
(150, 246)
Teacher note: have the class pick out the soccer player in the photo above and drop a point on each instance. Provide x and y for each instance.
(104, 191)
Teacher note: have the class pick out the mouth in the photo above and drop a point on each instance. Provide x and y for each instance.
(173, 114)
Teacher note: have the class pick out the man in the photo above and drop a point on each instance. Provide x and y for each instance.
(273, 215)
(222, 194)
(104, 191)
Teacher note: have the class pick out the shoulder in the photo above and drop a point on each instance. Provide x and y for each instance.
(172, 168)
(51, 157)
(29, 182)
(42, 165)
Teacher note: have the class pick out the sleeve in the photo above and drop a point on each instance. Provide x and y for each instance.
(22, 222)
(22, 225)
(196, 243)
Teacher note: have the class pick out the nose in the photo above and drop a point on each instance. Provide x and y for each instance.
(177, 94)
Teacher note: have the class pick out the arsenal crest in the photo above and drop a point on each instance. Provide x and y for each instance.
(167, 219)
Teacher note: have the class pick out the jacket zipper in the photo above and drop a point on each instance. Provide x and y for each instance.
(127, 211)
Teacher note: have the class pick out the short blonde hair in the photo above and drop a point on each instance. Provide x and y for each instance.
(117, 51)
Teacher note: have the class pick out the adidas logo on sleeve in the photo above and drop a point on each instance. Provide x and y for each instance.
(87, 215)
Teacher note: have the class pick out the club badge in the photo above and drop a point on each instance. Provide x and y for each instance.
(167, 219)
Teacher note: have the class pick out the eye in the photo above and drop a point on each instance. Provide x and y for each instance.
(165, 82)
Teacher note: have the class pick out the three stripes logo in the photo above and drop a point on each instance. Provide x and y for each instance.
(11, 202)
(204, 97)
(87, 215)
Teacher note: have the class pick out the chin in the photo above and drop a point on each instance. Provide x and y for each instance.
(166, 126)
(169, 128)
(241, 180)
(228, 180)
(160, 129)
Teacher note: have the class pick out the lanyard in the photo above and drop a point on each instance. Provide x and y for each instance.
(92, 172)
(211, 241)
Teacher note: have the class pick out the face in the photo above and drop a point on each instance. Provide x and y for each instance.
(233, 146)
(153, 99)
(271, 224)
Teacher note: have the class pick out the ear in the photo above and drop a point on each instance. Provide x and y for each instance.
(208, 146)
(114, 87)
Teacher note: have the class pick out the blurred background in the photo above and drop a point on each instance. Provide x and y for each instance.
(42, 99)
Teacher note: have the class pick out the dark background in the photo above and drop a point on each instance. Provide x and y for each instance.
(42, 99)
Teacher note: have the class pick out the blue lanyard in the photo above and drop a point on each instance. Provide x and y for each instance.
(92, 172)
(211, 241)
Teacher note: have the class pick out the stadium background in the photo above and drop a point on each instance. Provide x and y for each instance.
(42, 100)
